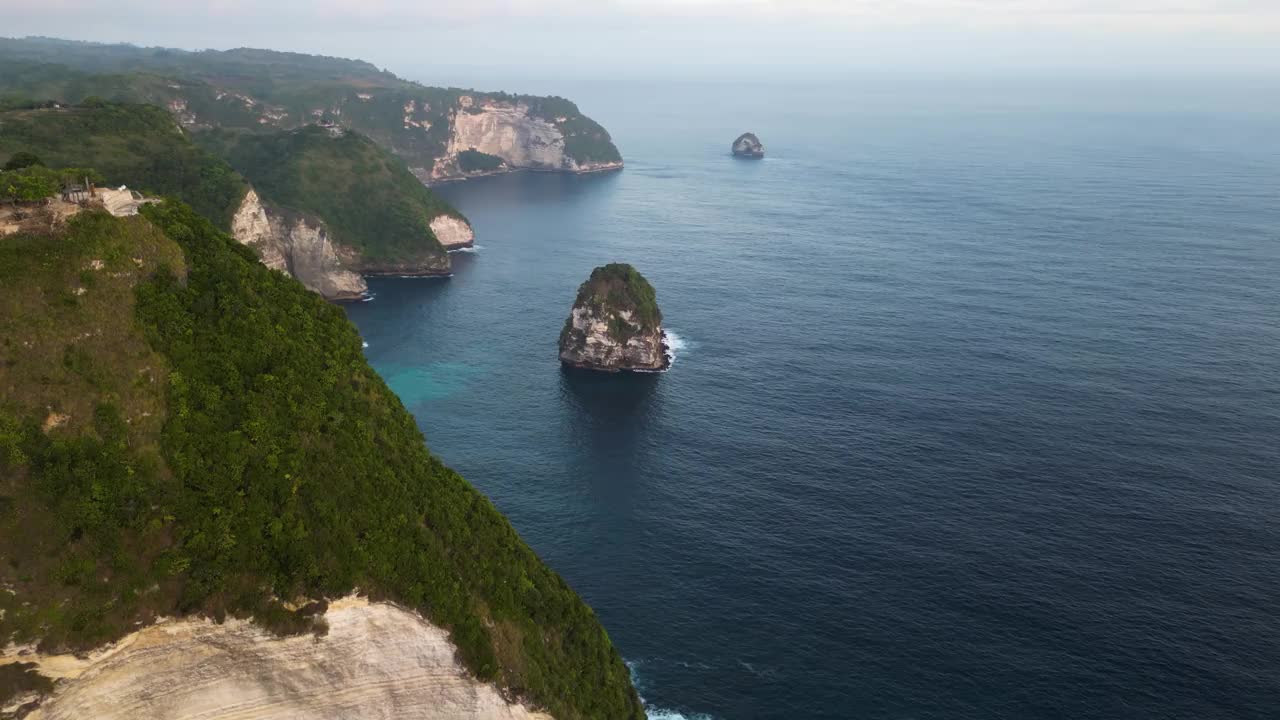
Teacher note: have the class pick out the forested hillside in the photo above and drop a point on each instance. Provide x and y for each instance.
(136, 145)
(184, 431)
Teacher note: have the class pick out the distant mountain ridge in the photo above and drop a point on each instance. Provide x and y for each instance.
(430, 128)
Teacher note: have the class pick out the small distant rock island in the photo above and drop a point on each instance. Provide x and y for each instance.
(615, 324)
(748, 146)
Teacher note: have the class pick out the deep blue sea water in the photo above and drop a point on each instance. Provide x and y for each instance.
(976, 414)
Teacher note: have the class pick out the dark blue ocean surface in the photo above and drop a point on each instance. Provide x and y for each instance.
(976, 412)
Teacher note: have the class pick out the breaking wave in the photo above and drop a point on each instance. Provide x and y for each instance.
(675, 345)
(657, 713)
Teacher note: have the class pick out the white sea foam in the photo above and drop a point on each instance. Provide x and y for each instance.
(364, 343)
(657, 713)
(368, 297)
(676, 345)
(470, 249)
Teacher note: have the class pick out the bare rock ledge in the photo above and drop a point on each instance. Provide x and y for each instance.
(377, 662)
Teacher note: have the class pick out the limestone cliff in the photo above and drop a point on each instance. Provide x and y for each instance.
(523, 139)
(376, 661)
(299, 246)
(615, 324)
(453, 232)
(302, 246)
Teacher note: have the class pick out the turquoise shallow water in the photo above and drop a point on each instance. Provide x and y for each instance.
(975, 414)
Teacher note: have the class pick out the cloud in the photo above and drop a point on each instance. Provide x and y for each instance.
(1141, 16)
(679, 35)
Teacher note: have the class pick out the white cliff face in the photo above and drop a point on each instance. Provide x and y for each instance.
(453, 233)
(377, 662)
(251, 226)
(511, 133)
(299, 247)
(587, 342)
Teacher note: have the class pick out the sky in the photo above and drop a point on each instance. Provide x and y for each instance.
(700, 37)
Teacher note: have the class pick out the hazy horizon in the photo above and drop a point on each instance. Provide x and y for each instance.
(706, 38)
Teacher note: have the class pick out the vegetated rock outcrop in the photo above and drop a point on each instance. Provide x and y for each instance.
(523, 136)
(375, 660)
(337, 207)
(748, 145)
(429, 128)
(298, 245)
(615, 324)
(188, 435)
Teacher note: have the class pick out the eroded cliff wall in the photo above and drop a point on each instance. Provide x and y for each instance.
(510, 131)
(298, 246)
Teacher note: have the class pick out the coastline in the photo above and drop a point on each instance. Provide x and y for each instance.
(450, 179)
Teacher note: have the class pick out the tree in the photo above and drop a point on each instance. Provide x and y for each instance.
(22, 159)
(37, 182)
(28, 185)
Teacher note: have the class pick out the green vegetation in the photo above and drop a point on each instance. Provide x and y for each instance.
(585, 140)
(18, 678)
(253, 89)
(135, 145)
(184, 431)
(619, 287)
(470, 161)
(22, 160)
(33, 181)
(365, 194)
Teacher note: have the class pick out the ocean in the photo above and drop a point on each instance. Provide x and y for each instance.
(975, 411)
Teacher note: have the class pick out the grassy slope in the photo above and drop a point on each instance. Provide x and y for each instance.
(364, 193)
(227, 445)
(72, 352)
(135, 145)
